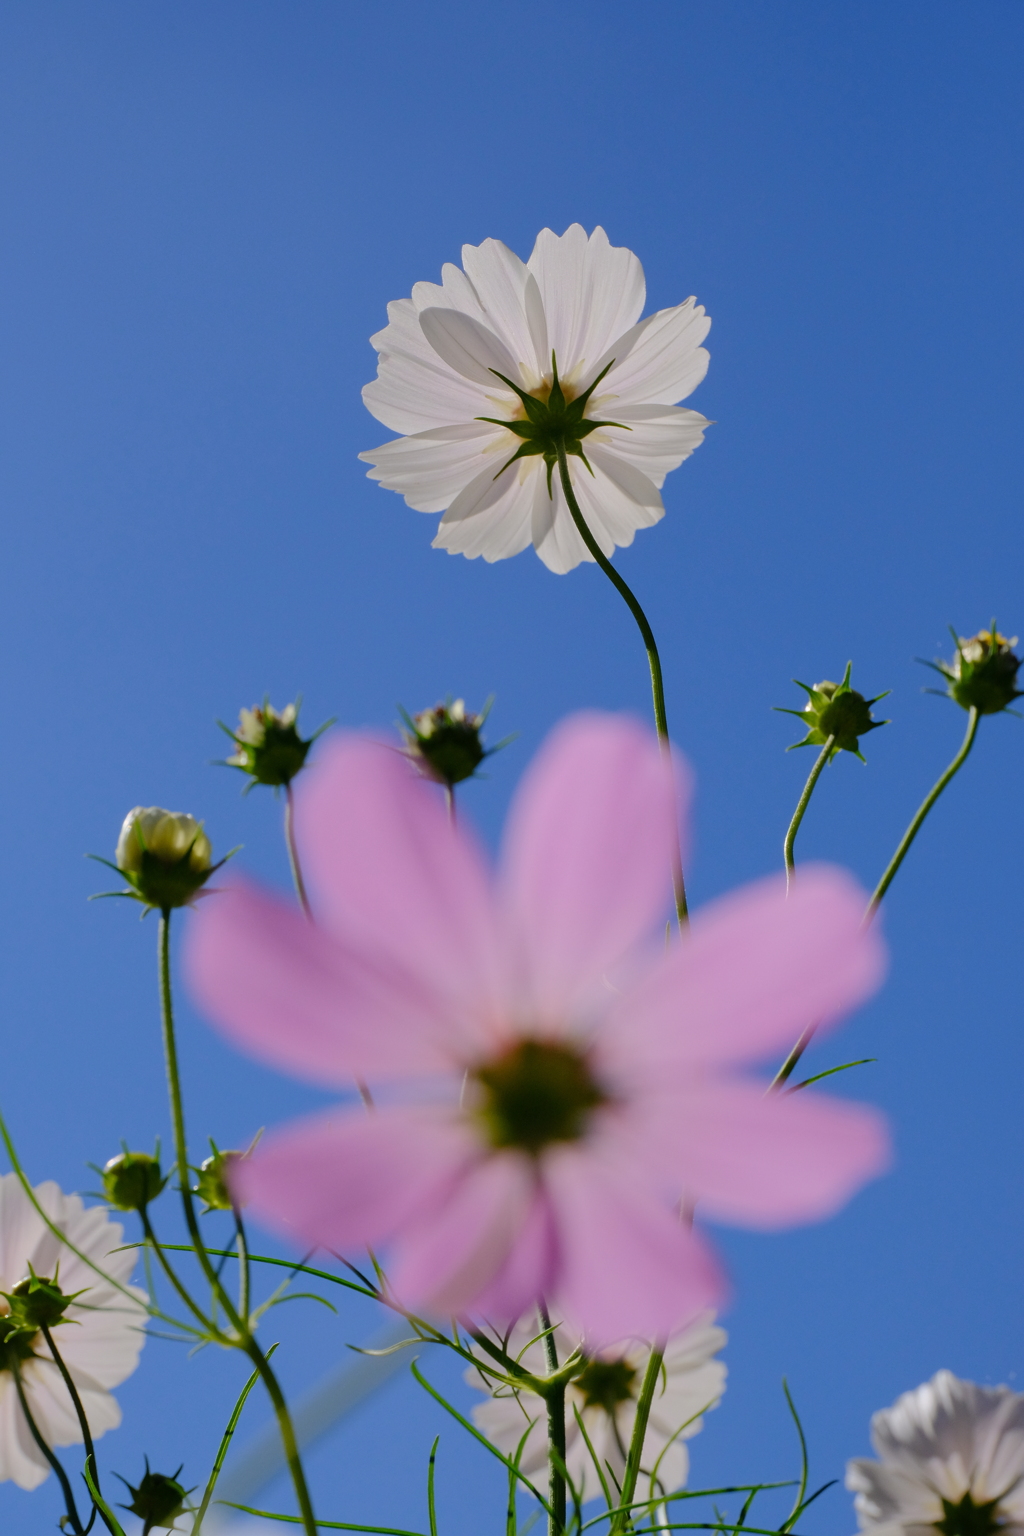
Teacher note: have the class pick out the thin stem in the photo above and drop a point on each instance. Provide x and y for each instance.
(555, 1403)
(62, 1477)
(166, 1266)
(222, 1451)
(647, 634)
(83, 1422)
(449, 800)
(636, 1444)
(244, 1288)
(926, 805)
(802, 804)
(293, 852)
(788, 1067)
(245, 1337)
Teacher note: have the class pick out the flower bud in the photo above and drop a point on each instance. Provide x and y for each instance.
(132, 1179)
(212, 1183)
(164, 856)
(37, 1302)
(836, 710)
(268, 746)
(158, 1500)
(983, 673)
(445, 741)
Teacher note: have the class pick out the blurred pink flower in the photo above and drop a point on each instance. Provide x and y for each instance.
(577, 1077)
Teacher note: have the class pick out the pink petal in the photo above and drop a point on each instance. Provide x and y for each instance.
(629, 1267)
(529, 1270)
(762, 1160)
(450, 1255)
(753, 970)
(588, 853)
(293, 995)
(393, 876)
(345, 1180)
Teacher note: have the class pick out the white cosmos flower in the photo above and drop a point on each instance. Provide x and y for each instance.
(951, 1456)
(99, 1342)
(606, 1396)
(578, 298)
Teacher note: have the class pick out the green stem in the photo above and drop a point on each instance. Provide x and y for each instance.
(244, 1288)
(554, 1399)
(293, 852)
(926, 805)
(636, 1444)
(802, 804)
(245, 1337)
(222, 1451)
(83, 1422)
(165, 1264)
(62, 1477)
(647, 633)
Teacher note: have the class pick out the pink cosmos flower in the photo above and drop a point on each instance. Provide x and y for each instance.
(561, 1082)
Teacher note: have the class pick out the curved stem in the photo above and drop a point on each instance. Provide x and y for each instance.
(293, 852)
(176, 1282)
(801, 806)
(636, 1444)
(62, 1477)
(650, 644)
(555, 1401)
(926, 805)
(244, 1288)
(245, 1338)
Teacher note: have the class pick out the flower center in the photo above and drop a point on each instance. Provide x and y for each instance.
(968, 1518)
(606, 1383)
(535, 1093)
(552, 420)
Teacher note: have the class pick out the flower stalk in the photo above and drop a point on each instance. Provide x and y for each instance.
(623, 1520)
(802, 804)
(650, 644)
(926, 805)
(293, 852)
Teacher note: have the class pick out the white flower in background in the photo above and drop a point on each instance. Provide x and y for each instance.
(445, 356)
(605, 1395)
(951, 1458)
(99, 1342)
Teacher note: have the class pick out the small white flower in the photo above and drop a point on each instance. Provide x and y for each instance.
(951, 1458)
(167, 835)
(606, 1395)
(578, 299)
(99, 1343)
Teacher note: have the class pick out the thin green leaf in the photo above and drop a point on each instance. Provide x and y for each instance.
(593, 1456)
(260, 1258)
(511, 1521)
(327, 1525)
(831, 1071)
(222, 1449)
(483, 1440)
(392, 1349)
(431, 1507)
(109, 1518)
(787, 1524)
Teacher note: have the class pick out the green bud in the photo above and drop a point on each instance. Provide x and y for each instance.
(132, 1179)
(212, 1184)
(836, 710)
(158, 1500)
(445, 741)
(164, 856)
(268, 747)
(38, 1302)
(983, 673)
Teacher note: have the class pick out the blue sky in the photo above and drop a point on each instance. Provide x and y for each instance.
(206, 210)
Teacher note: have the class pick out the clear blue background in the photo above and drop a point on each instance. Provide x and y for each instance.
(205, 211)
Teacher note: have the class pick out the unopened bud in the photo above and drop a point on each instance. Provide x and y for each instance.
(131, 1180)
(158, 1500)
(38, 1302)
(268, 747)
(983, 673)
(164, 856)
(445, 741)
(838, 711)
(212, 1184)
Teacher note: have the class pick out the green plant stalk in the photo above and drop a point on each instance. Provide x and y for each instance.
(83, 1422)
(636, 1445)
(222, 1451)
(802, 804)
(650, 644)
(925, 807)
(241, 1326)
(293, 852)
(554, 1401)
(62, 1477)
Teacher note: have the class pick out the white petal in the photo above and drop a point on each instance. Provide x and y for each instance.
(21, 1461)
(468, 346)
(592, 293)
(658, 362)
(500, 280)
(430, 468)
(491, 517)
(659, 438)
(412, 394)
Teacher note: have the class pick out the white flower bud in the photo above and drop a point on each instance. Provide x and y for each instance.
(166, 835)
